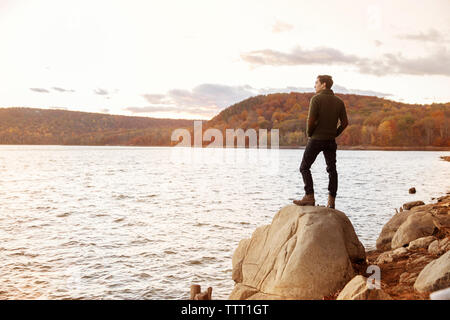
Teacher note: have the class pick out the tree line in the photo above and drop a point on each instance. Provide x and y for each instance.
(373, 121)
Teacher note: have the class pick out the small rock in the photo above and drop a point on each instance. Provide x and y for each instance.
(412, 204)
(399, 252)
(433, 247)
(357, 289)
(412, 190)
(423, 242)
(389, 256)
(385, 257)
(439, 247)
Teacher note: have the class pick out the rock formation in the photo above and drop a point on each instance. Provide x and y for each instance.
(413, 251)
(305, 253)
(312, 252)
(406, 226)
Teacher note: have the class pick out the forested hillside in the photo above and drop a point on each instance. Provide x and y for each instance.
(43, 126)
(372, 121)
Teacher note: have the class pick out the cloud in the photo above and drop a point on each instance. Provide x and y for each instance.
(203, 100)
(62, 89)
(340, 89)
(105, 93)
(207, 95)
(210, 94)
(208, 112)
(40, 90)
(101, 92)
(378, 43)
(298, 56)
(336, 88)
(281, 26)
(209, 99)
(154, 98)
(432, 35)
(435, 63)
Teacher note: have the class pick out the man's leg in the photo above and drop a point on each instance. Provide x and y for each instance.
(329, 153)
(312, 149)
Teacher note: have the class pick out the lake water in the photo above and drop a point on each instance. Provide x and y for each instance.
(146, 222)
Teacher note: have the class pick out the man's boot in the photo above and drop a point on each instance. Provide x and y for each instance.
(330, 203)
(308, 200)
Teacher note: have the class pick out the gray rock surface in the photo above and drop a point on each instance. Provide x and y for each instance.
(305, 253)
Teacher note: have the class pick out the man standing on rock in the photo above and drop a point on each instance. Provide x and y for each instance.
(325, 110)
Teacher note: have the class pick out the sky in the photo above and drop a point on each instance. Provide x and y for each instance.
(192, 59)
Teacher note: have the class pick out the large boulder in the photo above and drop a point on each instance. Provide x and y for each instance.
(406, 226)
(417, 225)
(435, 275)
(390, 228)
(305, 253)
(357, 289)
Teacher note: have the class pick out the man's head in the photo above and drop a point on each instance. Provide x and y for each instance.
(322, 82)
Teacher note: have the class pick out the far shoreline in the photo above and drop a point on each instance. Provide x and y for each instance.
(339, 147)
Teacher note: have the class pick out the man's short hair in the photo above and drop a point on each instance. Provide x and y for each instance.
(327, 79)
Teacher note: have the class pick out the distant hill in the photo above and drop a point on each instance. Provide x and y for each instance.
(44, 126)
(373, 122)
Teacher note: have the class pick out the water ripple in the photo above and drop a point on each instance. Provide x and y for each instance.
(146, 223)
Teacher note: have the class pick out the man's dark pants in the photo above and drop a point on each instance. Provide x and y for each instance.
(313, 148)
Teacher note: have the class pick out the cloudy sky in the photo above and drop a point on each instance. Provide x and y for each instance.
(190, 59)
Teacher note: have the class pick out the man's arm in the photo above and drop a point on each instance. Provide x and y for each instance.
(312, 117)
(343, 119)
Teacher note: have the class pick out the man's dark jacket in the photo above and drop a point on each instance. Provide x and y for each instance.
(325, 109)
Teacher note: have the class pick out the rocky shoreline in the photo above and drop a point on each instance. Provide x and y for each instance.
(313, 253)
(401, 266)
